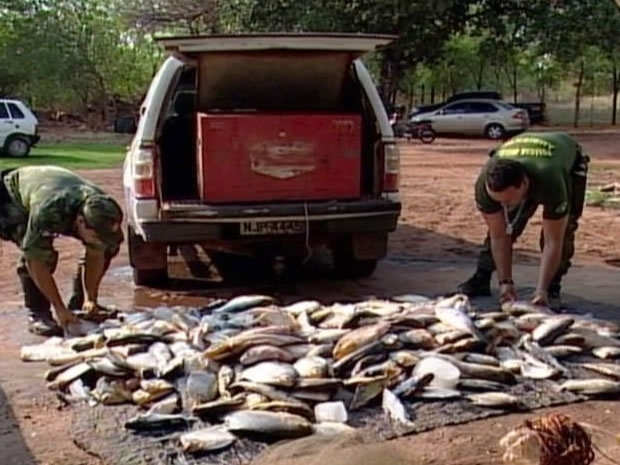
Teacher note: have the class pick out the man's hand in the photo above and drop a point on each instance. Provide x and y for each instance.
(64, 317)
(540, 298)
(92, 308)
(507, 293)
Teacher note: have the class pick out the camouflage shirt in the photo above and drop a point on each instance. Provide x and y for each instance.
(45, 203)
(548, 159)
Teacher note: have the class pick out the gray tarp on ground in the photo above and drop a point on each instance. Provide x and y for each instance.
(99, 430)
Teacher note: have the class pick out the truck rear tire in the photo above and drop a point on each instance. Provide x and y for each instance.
(150, 278)
(349, 267)
(156, 277)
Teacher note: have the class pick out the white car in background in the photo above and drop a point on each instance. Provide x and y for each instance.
(18, 128)
(476, 117)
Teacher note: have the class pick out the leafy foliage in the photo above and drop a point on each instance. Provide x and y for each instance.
(79, 55)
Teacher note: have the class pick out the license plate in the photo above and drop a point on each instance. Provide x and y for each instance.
(256, 228)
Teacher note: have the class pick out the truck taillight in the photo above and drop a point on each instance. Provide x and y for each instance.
(391, 168)
(144, 173)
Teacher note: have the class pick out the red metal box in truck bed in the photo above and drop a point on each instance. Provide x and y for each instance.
(278, 157)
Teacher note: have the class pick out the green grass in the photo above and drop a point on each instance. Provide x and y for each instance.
(602, 199)
(593, 112)
(77, 155)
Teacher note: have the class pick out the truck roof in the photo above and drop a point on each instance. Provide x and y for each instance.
(342, 42)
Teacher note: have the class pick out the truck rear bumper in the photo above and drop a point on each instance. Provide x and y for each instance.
(194, 223)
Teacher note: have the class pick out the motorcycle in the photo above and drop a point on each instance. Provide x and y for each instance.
(422, 130)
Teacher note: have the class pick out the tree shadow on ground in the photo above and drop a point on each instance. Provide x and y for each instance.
(407, 244)
(406, 270)
(12, 444)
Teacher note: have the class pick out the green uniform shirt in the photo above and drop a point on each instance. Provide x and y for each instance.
(46, 200)
(548, 159)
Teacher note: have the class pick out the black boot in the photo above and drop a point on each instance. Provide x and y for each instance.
(76, 302)
(479, 285)
(40, 321)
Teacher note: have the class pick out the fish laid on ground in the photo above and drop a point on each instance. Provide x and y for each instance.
(550, 329)
(608, 369)
(494, 399)
(592, 386)
(606, 352)
(459, 320)
(284, 425)
(250, 366)
(208, 439)
(394, 408)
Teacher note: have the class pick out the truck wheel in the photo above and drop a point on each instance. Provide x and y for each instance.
(17, 147)
(347, 266)
(494, 131)
(138, 249)
(150, 278)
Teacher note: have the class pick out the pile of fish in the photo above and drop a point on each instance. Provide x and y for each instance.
(247, 366)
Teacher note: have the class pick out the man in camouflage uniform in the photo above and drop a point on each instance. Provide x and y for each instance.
(532, 169)
(38, 203)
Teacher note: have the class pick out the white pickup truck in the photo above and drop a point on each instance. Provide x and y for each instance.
(270, 144)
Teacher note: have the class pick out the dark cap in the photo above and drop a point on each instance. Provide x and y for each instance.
(104, 215)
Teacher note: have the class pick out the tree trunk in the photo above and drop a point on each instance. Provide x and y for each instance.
(578, 87)
(512, 73)
(384, 79)
(422, 94)
(433, 94)
(480, 76)
(615, 89)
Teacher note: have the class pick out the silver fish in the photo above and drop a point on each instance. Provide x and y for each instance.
(458, 320)
(608, 369)
(561, 351)
(148, 421)
(312, 367)
(481, 359)
(263, 352)
(243, 302)
(212, 438)
(413, 384)
(438, 393)
(202, 386)
(394, 408)
(546, 332)
(538, 371)
(592, 386)
(279, 424)
(69, 375)
(303, 306)
(274, 373)
(168, 405)
(606, 352)
(494, 399)
(538, 352)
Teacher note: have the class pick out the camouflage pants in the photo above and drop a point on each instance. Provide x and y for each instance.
(486, 264)
(35, 300)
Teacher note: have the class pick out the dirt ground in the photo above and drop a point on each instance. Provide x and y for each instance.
(432, 250)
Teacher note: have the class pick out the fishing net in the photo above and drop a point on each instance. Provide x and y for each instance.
(554, 439)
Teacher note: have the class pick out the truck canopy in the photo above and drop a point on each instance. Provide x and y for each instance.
(352, 43)
(273, 72)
